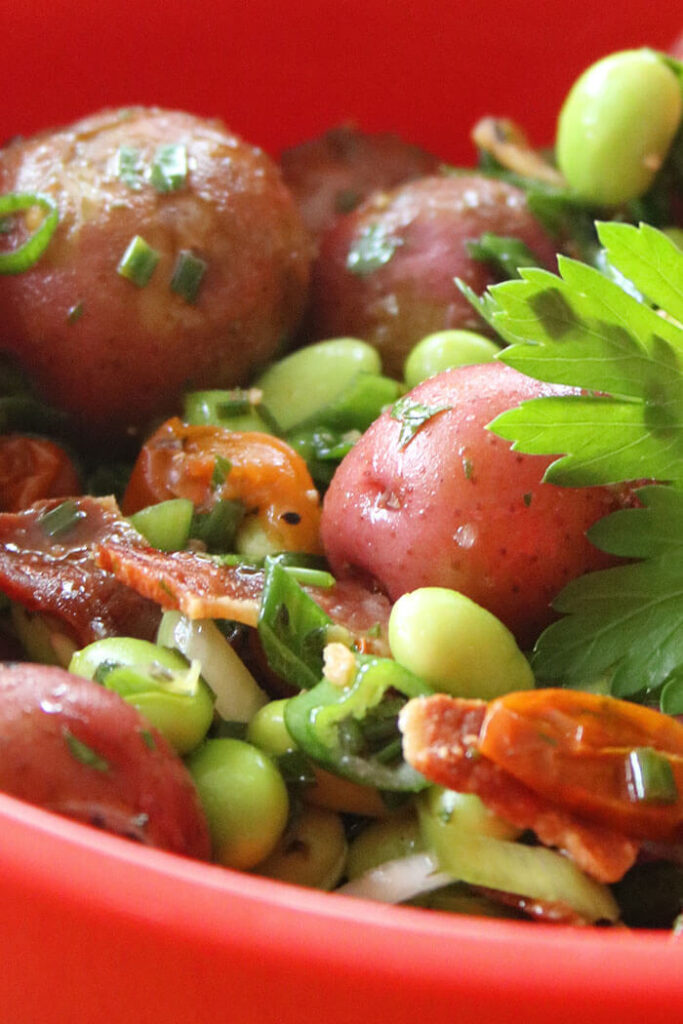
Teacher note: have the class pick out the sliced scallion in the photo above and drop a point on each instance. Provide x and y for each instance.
(25, 256)
(129, 167)
(221, 471)
(61, 518)
(83, 753)
(169, 167)
(138, 262)
(650, 776)
(187, 275)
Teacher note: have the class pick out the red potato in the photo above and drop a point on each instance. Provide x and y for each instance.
(69, 745)
(114, 353)
(334, 173)
(385, 272)
(456, 507)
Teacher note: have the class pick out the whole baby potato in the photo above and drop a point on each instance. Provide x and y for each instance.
(456, 507)
(385, 272)
(109, 348)
(71, 746)
(332, 174)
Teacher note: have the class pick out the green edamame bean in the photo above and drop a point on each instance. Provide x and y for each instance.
(465, 812)
(616, 126)
(244, 798)
(312, 852)
(382, 841)
(445, 349)
(159, 682)
(267, 729)
(456, 645)
(296, 387)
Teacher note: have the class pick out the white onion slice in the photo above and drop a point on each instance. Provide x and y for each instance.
(398, 880)
(238, 695)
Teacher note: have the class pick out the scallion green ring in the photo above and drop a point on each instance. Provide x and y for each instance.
(28, 254)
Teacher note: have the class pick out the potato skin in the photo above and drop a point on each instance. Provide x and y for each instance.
(334, 173)
(423, 227)
(140, 788)
(456, 507)
(131, 350)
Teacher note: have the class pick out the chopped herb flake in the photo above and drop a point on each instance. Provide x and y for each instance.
(60, 518)
(371, 250)
(412, 416)
(16, 261)
(169, 167)
(129, 167)
(650, 777)
(221, 469)
(83, 753)
(138, 262)
(187, 276)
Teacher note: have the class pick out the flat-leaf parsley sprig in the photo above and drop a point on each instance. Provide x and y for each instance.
(623, 627)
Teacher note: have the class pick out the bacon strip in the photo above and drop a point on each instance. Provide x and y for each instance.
(440, 737)
(57, 575)
(202, 587)
(199, 587)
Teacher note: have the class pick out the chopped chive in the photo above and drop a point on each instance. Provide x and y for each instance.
(25, 256)
(221, 470)
(60, 518)
(148, 739)
(650, 777)
(85, 754)
(169, 167)
(129, 167)
(187, 275)
(310, 577)
(138, 262)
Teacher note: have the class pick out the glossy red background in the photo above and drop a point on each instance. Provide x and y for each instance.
(94, 929)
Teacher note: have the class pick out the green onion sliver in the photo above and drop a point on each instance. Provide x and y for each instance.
(26, 255)
(169, 167)
(138, 262)
(187, 275)
(650, 776)
(60, 518)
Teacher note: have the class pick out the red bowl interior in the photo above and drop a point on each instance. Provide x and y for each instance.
(97, 929)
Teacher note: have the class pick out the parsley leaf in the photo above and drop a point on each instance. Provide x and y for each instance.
(626, 622)
(622, 629)
(584, 330)
(413, 415)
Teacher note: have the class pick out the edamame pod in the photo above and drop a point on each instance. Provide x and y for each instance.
(617, 125)
(159, 682)
(445, 349)
(457, 646)
(245, 800)
(296, 387)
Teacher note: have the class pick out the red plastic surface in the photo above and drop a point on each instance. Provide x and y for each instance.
(94, 929)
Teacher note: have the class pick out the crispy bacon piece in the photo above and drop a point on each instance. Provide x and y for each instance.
(202, 587)
(197, 585)
(55, 573)
(441, 739)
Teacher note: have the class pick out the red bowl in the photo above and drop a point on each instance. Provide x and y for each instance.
(97, 929)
